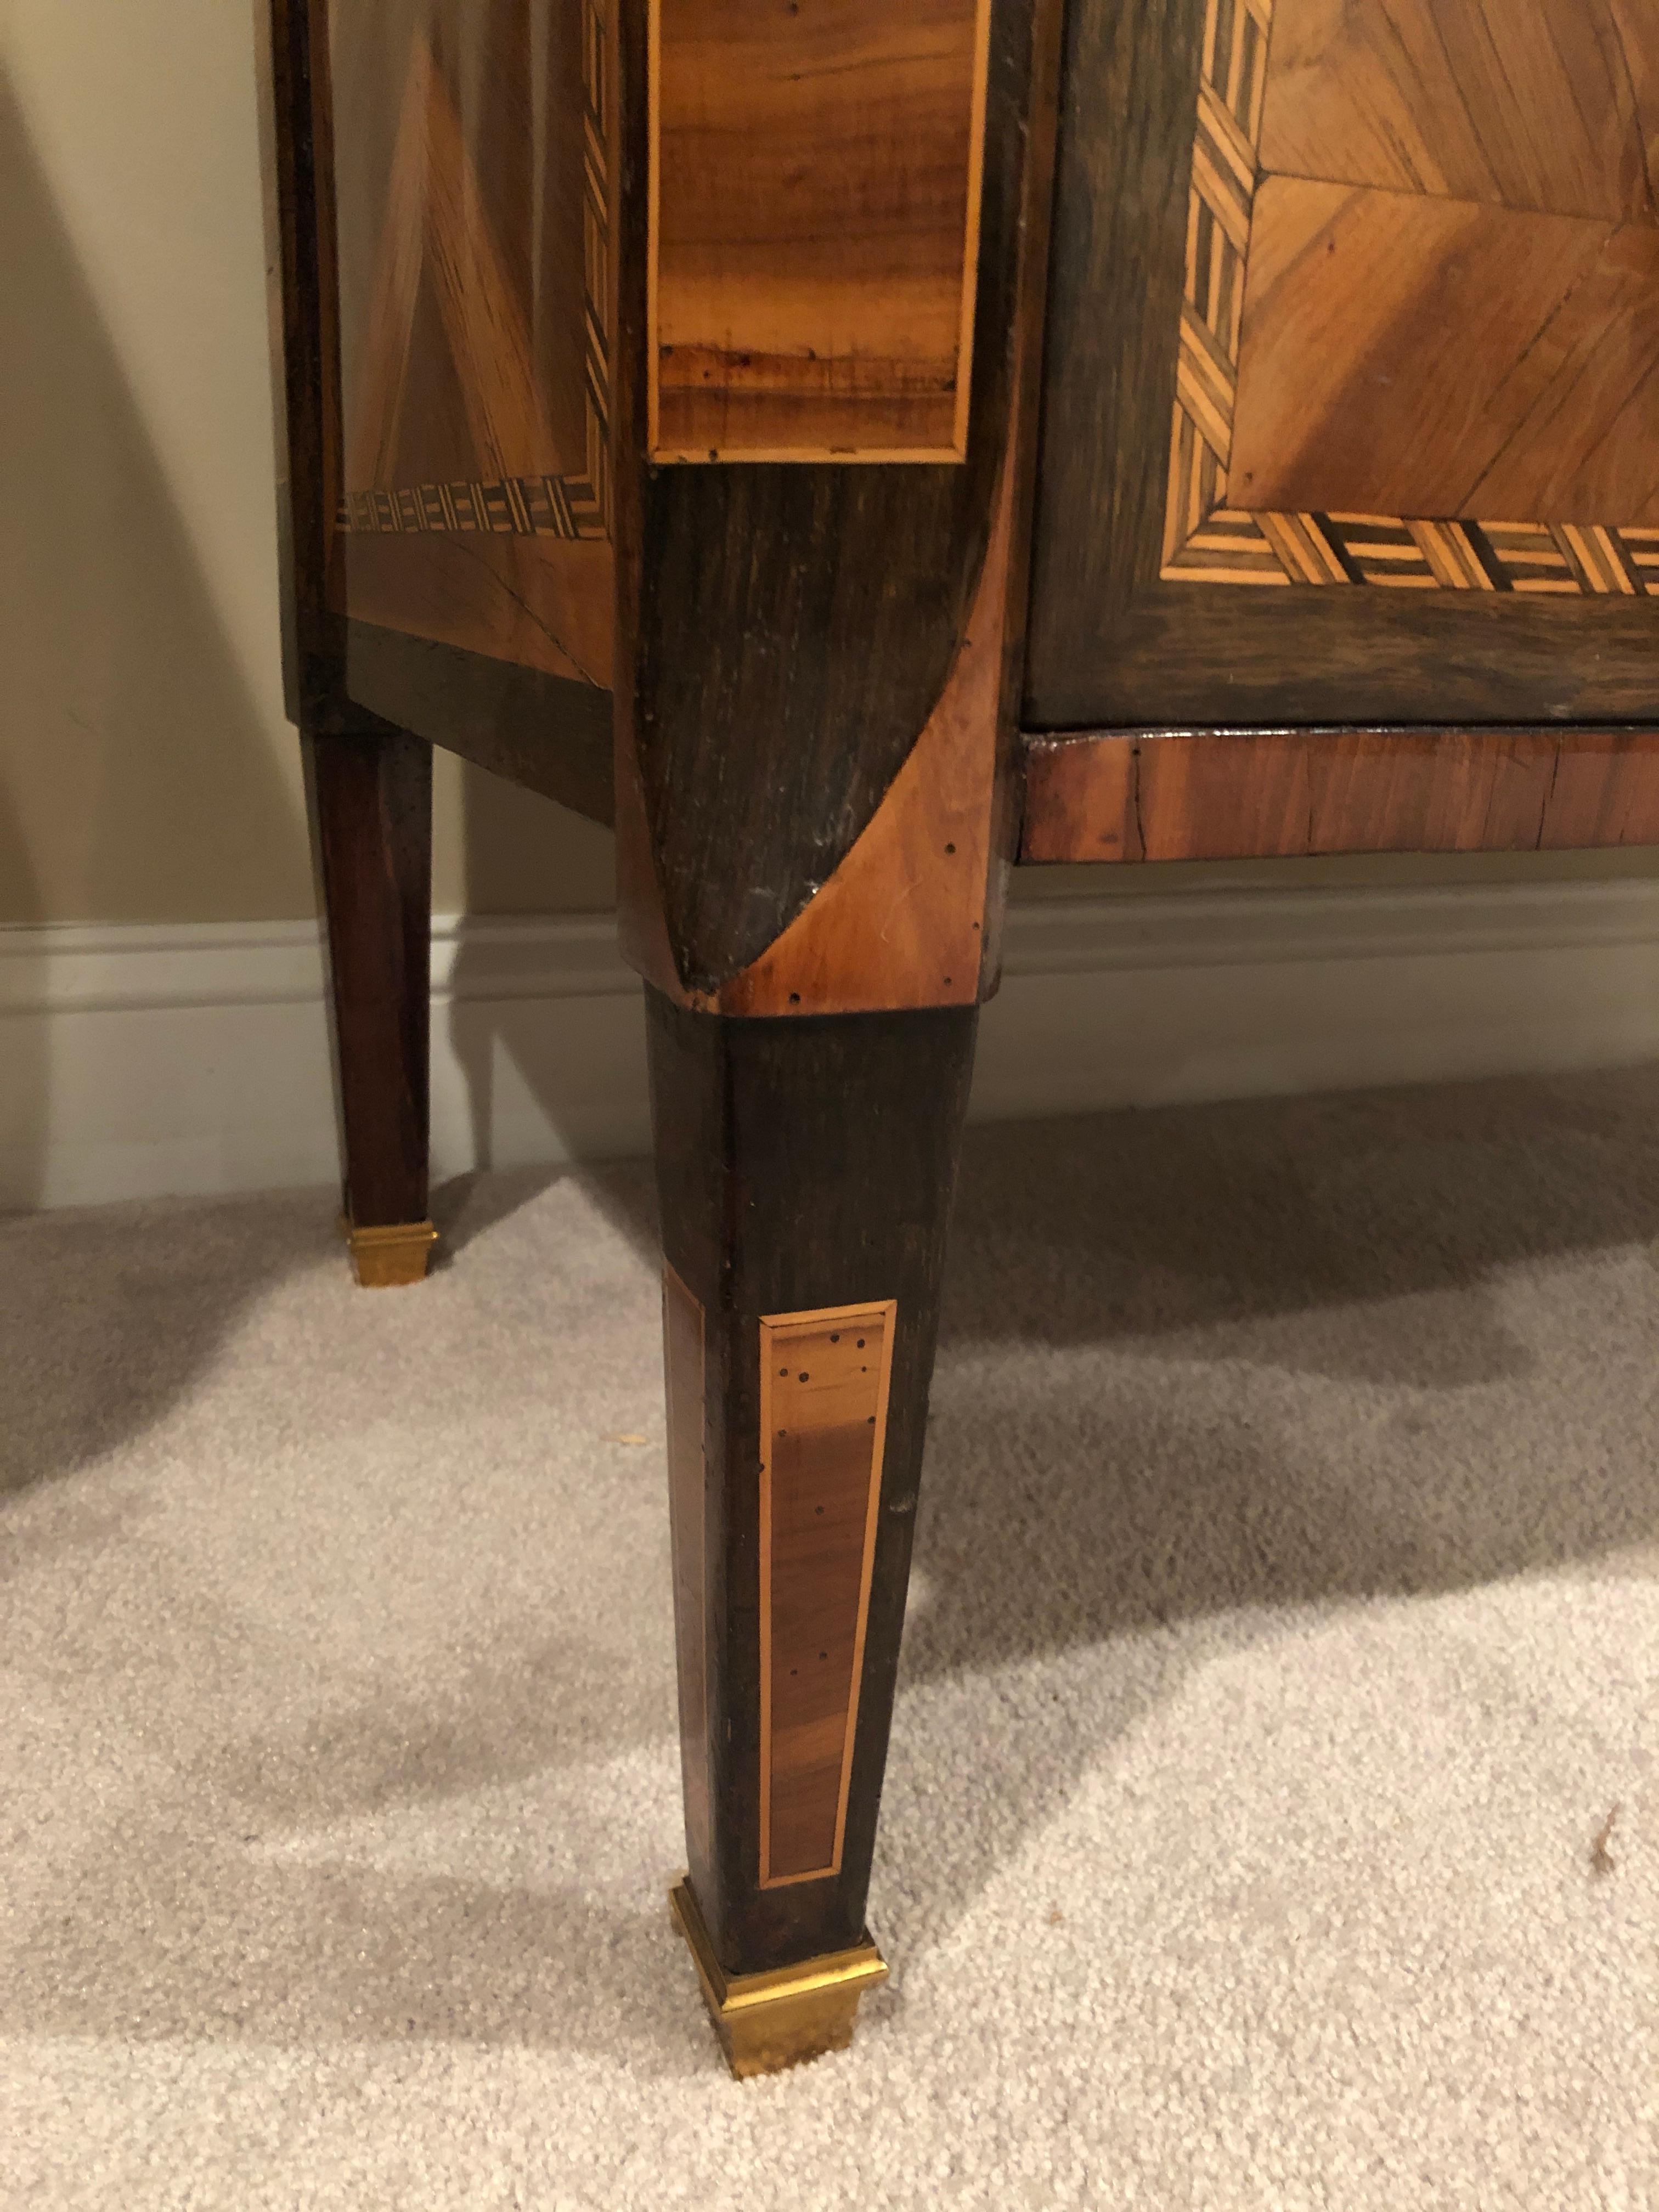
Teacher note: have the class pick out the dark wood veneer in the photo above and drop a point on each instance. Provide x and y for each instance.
(801, 1164)
(547, 732)
(304, 352)
(371, 813)
(1241, 794)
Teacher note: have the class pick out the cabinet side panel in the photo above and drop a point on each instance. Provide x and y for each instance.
(473, 152)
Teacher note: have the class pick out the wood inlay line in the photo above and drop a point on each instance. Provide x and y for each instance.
(1392, 209)
(970, 227)
(568, 508)
(684, 1381)
(823, 1392)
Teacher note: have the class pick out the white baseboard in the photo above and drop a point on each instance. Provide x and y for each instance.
(142, 1061)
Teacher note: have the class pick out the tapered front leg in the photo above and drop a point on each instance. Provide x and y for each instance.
(370, 798)
(806, 1169)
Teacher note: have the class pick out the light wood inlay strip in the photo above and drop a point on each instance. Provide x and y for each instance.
(682, 1370)
(823, 1394)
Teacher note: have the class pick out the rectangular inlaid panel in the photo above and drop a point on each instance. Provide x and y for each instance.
(473, 174)
(1359, 309)
(1420, 340)
(815, 194)
(683, 1375)
(823, 1425)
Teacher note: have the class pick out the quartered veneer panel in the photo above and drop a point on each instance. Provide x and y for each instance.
(1420, 340)
(1365, 310)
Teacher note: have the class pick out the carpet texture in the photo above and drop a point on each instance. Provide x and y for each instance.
(1283, 1632)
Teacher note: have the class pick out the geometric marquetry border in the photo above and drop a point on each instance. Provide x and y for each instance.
(1208, 542)
(566, 507)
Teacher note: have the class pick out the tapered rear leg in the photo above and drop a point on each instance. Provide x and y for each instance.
(806, 1169)
(370, 799)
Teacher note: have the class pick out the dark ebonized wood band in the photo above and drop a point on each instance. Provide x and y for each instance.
(547, 732)
(801, 1164)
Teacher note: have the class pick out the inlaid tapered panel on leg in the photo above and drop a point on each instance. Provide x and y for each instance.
(824, 1421)
(371, 812)
(805, 1168)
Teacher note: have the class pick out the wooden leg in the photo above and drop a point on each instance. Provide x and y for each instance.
(371, 813)
(805, 1168)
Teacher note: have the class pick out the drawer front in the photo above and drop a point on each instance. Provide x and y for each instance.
(1351, 396)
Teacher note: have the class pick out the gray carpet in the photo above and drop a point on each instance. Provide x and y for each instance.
(1283, 1632)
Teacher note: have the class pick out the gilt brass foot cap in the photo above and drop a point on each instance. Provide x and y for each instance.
(768, 2021)
(385, 1259)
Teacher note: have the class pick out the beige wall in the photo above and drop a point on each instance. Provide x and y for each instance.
(146, 771)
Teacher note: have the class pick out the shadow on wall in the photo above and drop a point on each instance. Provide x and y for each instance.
(137, 779)
(136, 784)
(141, 762)
(544, 1081)
(23, 1072)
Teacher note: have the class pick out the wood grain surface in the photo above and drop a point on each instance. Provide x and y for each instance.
(296, 134)
(1547, 409)
(472, 180)
(912, 915)
(1550, 105)
(531, 602)
(792, 635)
(1377, 343)
(824, 1383)
(1267, 794)
(786, 629)
(482, 616)
(370, 802)
(1402, 364)
(904, 919)
(815, 226)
